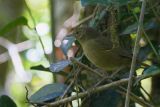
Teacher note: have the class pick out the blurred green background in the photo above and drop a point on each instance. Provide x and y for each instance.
(30, 53)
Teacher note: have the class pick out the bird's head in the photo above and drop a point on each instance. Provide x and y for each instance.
(83, 34)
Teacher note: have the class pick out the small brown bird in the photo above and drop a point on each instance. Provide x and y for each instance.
(100, 50)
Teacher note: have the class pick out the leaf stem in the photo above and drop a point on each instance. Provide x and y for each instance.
(34, 27)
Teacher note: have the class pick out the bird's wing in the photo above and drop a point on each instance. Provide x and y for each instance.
(104, 42)
(124, 53)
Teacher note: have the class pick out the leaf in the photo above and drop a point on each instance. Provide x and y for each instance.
(67, 43)
(105, 2)
(96, 20)
(59, 66)
(48, 92)
(6, 101)
(19, 21)
(133, 28)
(130, 29)
(149, 72)
(40, 67)
(144, 52)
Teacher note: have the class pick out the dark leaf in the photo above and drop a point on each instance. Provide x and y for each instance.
(19, 21)
(130, 29)
(104, 2)
(67, 44)
(6, 101)
(149, 72)
(99, 17)
(105, 99)
(144, 52)
(152, 71)
(59, 66)
(83, 77)
(133, 28)
(40, 67)
(48, 92)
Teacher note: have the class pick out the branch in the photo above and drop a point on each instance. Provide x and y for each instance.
(134, 98)
(86, 67)
(83, 94)
(135, 53)
(95, 90)
(86, 18)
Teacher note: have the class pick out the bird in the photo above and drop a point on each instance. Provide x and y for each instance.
(101, 51)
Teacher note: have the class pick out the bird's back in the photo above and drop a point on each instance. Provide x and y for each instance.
(100, 51)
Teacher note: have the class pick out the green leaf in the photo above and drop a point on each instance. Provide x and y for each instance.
(105, 2)
(48, 92)
(19, 21)
(149, 72)
(67, 44)
(6, 101)
(153, 70)
(59, 66)
(40, 67)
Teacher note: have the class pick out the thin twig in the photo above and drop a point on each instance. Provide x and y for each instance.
(65, 92)
(101, 81)
(27, 94)
(153, 9)
(83, 21)
(150, 97)
(77, 94)
(134, 98)
(34, 27)
(150, 43)
(86, 18)
(135, 52)
(27, 98)
(86, 67)
(71, 84)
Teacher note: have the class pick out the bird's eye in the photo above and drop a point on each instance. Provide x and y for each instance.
(78, 33)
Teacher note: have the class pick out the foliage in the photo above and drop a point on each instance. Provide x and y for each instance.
(6, 101)
(126, 23)
(126, 13)
(48, 93)
(105, 2)
(13, 24)
(66, 46)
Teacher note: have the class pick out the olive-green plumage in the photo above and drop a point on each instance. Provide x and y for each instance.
(100, 51)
